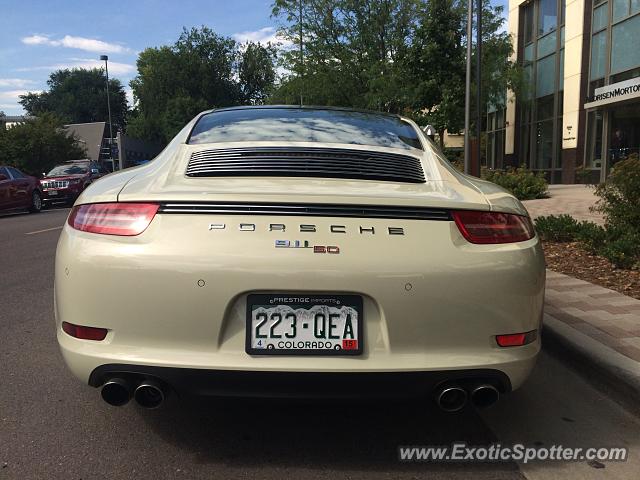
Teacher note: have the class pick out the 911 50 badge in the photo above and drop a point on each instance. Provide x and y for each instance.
(334, 249)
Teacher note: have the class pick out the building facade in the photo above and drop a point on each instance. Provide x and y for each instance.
(121, 152)
(580, 111)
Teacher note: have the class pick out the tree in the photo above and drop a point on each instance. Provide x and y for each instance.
(401, 56)
(436, 67)
(38, 144)
(257, 72)
(202, 70)
(79, 96)
(353, 52)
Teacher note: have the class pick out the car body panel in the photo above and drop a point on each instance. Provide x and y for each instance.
(17, 189)
(203, 327)
(175, 295)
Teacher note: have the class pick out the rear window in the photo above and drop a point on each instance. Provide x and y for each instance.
(304, 125)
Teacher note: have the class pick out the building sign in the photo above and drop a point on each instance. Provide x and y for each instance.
(616, 92)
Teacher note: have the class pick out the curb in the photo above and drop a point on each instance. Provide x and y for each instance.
(618, 371)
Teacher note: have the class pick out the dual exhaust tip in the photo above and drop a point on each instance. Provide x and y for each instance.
(453, 398)
(150, 394)
(118, 391)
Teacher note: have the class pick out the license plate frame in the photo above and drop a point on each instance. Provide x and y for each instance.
(307, 302)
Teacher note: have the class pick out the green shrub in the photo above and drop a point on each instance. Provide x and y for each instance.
(620, 195)
(592, 236)
(523, 183)
(619, 239)
(621, 246)
(557, 228)
(620, 205)
(622, 249)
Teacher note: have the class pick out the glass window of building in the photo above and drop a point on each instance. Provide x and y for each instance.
(547, 16)
(494, 155)
(600, 17)
(625, 43)
(546, 76)
(528, 23)
(598, 55)
(547, 44)
(613, 130)
(540, 118)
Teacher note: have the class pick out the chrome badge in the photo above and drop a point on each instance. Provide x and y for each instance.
(305, 244)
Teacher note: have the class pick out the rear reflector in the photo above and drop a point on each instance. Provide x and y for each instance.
(85, 333)
(493, 227)
(516, 339)
(127, 219)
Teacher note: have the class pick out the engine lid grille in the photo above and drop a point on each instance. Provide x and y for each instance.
(306, 162)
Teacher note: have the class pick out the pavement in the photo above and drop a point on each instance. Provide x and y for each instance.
(53, 426)
(599, 325)
(572, 199)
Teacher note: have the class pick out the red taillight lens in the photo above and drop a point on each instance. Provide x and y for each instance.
(493, 227)
(126, 219)
(516, 339)
(85, 333)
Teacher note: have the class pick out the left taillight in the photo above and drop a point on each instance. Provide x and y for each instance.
(493, 227)
(125, 219)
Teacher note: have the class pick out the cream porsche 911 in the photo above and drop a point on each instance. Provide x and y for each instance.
(298, 251)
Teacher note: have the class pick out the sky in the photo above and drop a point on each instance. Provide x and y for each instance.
(38, 37)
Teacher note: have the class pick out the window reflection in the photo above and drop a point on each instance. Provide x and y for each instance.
(305, 125)
(547, 16)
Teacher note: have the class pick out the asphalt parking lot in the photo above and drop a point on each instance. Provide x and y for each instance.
(52, 426)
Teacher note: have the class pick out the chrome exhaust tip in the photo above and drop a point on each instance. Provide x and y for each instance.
(116, 392)
(149, 394)
(484, 395)
(451, 398)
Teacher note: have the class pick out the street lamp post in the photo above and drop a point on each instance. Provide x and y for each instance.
(106, 69)
(467, 106)
(479, 109)
(467, 92)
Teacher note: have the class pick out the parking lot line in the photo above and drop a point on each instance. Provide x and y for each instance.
(45, 230)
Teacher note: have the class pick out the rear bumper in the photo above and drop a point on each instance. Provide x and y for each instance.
(175, 296)
(228, 383)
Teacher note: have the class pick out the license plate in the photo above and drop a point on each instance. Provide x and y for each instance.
(283, 324)
(52, 193)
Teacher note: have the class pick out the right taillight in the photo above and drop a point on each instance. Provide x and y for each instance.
(493, 227)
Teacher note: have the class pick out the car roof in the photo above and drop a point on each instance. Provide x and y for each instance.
(303, 107)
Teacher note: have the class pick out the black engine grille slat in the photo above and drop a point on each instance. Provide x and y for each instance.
(309, 162)
(307, 210)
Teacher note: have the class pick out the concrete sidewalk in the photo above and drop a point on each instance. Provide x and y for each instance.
(600, 325)
(574, 200)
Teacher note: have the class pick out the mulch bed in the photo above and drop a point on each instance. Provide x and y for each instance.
(571, 259)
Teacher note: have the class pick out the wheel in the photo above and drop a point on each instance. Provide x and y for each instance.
(36, 202)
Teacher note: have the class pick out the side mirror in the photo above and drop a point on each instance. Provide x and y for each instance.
(3, 177)
(429, 131)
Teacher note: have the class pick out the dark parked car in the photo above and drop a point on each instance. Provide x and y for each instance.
(19, 191)
(65, 182)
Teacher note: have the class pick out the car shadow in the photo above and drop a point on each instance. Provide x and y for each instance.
(324, 435)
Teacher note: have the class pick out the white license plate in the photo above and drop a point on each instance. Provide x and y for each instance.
(52, 193)
(292, 324)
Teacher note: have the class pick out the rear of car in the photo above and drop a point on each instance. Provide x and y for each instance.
(305, 252)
